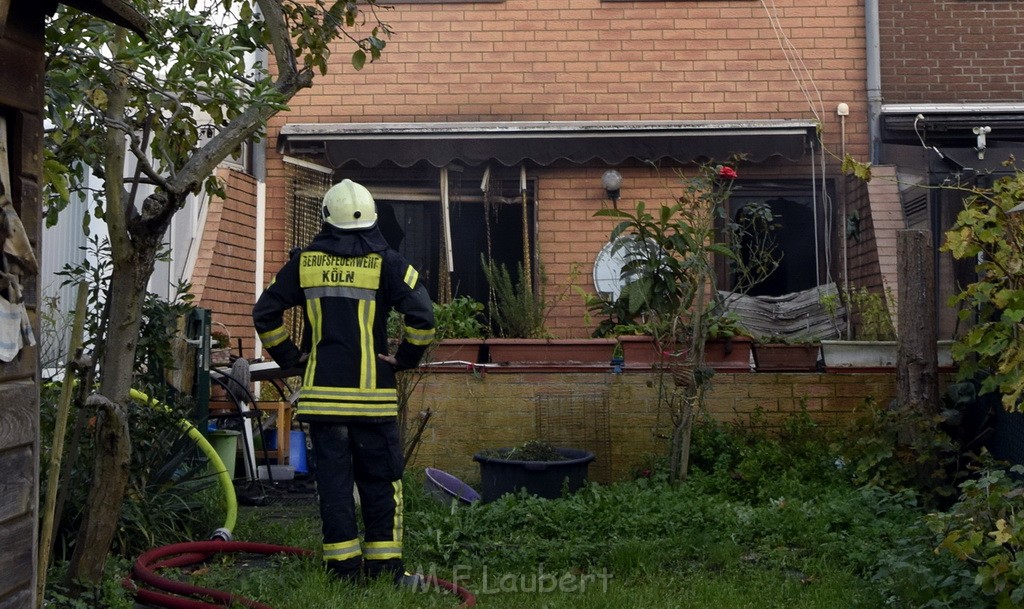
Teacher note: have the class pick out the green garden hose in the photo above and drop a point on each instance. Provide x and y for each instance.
(216, 462)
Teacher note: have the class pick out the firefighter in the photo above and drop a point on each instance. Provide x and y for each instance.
(348, 280)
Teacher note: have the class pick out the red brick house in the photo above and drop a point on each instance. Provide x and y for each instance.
(478, 109)
(486, 128)
(468, 89)
(948, 108)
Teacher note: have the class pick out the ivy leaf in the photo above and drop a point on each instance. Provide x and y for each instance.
(861, 171)
(1002, 534)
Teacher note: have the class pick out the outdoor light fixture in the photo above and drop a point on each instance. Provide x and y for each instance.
(612, 181)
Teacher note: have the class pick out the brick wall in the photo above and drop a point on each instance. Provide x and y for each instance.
(472, 412)
(872, 254)
(588, 60)
(225, 270)
(524, 60)
(949, 51)
(886, 221)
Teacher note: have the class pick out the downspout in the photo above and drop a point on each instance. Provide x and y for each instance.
(874, 79)
(259, 171)
(260, 251)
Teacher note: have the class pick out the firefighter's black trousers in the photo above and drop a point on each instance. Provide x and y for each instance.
(369, 455)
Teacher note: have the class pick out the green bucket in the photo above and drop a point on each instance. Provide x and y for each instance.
(225, 442)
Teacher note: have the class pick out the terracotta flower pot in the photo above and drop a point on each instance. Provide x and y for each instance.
(781, 357)
(729, 354)
(639, 351)
(457, 350)
(550, 350)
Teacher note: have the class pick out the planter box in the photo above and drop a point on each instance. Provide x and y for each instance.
(779, 357)
(729, 354)
(858, 354)
(851, 354)
(550, 350)
(457, 350)
(639, 351)
(542, 478)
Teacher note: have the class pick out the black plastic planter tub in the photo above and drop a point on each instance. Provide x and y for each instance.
(545, 479)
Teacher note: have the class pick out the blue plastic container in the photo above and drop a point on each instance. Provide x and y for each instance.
(297, 452)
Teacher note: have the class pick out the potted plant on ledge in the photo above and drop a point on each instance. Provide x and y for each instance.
(785, 354)
(460, 332)
(519, 314)
(728, 347)
(874, 337)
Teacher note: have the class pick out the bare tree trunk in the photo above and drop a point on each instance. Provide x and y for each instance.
(674, 453)
(110, 478)
(685, 400)
(135, 237)
(113, 445)
(686, 432)
(917, 381)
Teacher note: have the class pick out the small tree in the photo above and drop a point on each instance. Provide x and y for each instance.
(178, 103)
(990, 230)
(674, 284)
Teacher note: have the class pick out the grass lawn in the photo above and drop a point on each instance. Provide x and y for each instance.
(633, 544)
(785, 520)
(301, 584)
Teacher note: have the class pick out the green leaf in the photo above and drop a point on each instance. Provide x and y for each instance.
(358, 59)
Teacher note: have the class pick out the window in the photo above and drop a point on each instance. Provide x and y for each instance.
(800, 231)
(482, 224)
(409, 211)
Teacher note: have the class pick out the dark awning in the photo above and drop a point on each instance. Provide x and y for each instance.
(951, 124)
(511, 143)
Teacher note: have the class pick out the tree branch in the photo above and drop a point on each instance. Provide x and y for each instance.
(114, 153)
(289, 81)
(280, 37)
(143, 162)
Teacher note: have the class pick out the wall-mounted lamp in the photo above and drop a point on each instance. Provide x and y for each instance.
(612, 182)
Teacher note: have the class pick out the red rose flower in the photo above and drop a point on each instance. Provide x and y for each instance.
(727, 173)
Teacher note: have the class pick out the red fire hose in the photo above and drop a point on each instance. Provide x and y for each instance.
(164, 592)
(171, 594)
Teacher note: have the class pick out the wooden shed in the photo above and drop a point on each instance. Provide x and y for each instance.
(21, 173)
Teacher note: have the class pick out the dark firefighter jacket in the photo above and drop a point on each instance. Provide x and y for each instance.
(347, 282)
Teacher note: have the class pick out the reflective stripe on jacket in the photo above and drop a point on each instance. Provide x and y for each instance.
(346, 303)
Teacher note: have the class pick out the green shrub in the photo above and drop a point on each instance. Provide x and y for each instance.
(874, 321)
(517, 310)
(984, 530)
(754, 459)
(460, 318)
(990, 233)
(108, 594)
(901, 448)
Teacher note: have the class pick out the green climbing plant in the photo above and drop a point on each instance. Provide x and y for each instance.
(990, 230)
